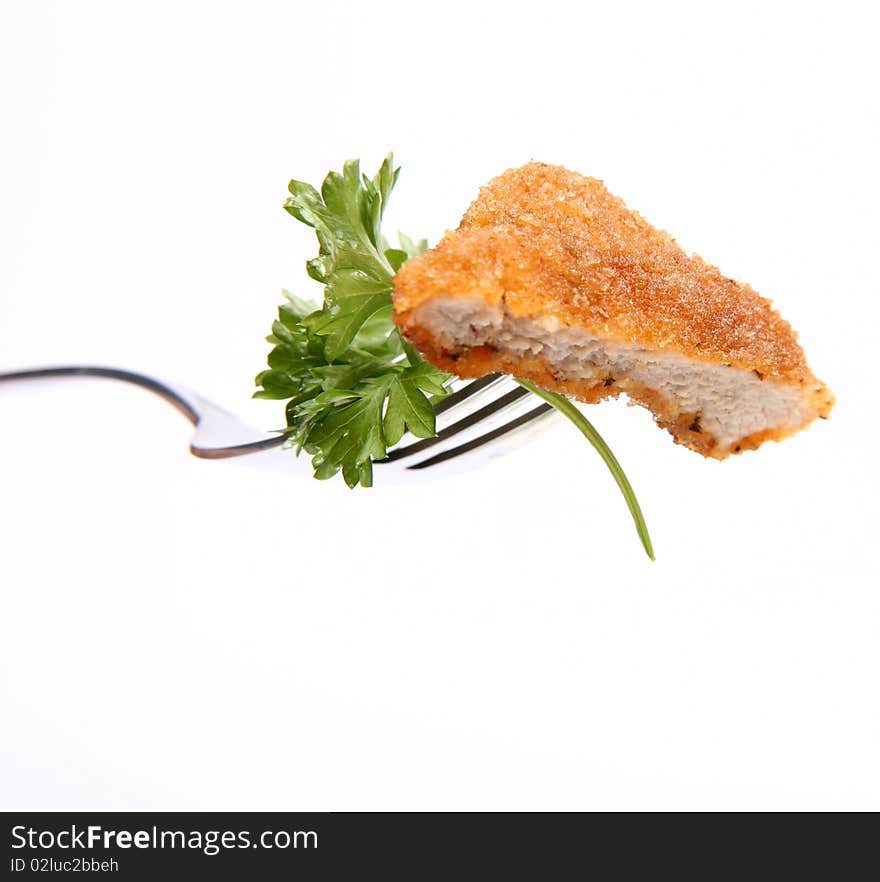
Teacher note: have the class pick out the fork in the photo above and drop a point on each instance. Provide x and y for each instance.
(480, 420)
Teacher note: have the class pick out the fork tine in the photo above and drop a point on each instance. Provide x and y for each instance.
(526, 418)
(465, 392)
(465, 423)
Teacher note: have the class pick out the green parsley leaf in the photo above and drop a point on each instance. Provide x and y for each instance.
(353, 385)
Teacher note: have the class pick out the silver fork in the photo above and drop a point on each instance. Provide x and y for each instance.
(482, 419)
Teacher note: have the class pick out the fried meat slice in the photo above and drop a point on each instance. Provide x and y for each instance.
(550, 277)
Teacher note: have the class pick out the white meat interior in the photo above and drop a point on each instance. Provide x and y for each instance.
(731, 403)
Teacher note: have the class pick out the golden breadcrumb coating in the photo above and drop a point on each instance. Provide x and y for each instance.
(542, 241)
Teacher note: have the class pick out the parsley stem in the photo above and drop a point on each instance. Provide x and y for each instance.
(566, 408)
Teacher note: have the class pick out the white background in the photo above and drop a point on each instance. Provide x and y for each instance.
(203, 635)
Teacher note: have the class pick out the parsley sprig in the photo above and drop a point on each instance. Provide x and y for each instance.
(586, 428)
(353, 385)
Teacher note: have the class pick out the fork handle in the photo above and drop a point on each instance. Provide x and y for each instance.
(192, 406)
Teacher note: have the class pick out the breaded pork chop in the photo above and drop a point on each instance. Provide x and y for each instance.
(551, 278)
